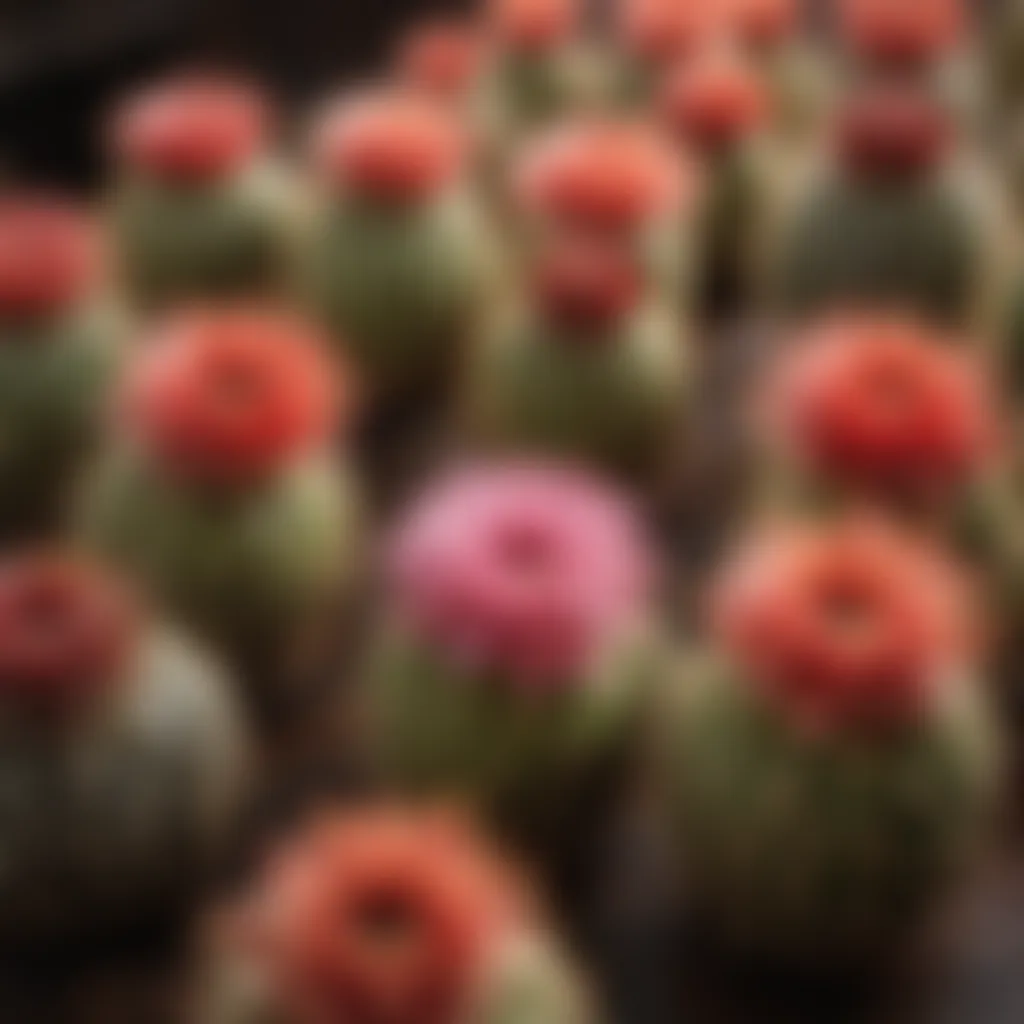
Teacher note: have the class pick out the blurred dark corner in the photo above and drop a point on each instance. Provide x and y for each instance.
(62, 62)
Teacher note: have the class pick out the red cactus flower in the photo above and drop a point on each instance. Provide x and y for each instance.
(887, 407)
(846, 627)
(230, 397)
(393, 148)
(602, 178)
(50, 256)
(442, 58)
(66, 629)
(715, 101)
(893, 131)
(192, 129)
(763, 24)
(663, 31)
(525, 570)
(534, 25)
(586, 285)
(383, 916)
(908, 32)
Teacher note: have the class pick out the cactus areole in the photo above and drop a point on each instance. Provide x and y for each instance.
(846, 629)
(66, 632)
(192, 130)
(229, 398)
(601, 178)
(382, 917)
(884, 406)
(50, 257)
(392, 149)
(526, 570)
(902, 35)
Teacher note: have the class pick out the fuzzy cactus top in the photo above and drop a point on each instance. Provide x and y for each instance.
(50, 256)
(382, 917)
(66, 629)
(585, 285)
(892, 132)
(912, 33)
(192, 129)
(533, 26)
(525, 570)
(715, 102)
(231, 397)
(602, 178)
(442, 58)
(764, 24)
(844, 629)
(389, 148)
(884, 406)
(660, 32)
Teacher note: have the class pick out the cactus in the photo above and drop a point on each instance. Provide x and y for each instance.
(517, 643)
(611, 182)
(717, 106)
(831, 762)
(442, 59)
(879, 411)
(60, 344)
(201, 211)
(894, 221)
(589, 369)
(121, 758)
(222, 496)
(385, 914)
(399, 267)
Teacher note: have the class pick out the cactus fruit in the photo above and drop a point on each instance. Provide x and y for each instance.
(589, 368)
(201, 211)
(611, 182)
(223, 497)
(880, 411)
(518, 644)
(831, 764)
(121, 758)
(717, 106)
(388, 915)
(653, 36)
(60, 344)
(399, 267)
(894, 220)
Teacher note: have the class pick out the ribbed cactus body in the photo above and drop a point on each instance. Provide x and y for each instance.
(441, 725)
(257, 571)
(117, 815)
(612, 396)
(400, 286)
(908, 244)
(227, 237)
(55, 376)
(823, 847)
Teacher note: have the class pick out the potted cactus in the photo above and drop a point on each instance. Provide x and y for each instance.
(443, 59)
(717, 106)
(387, 915)
(223, 496)
(60, 345)
(830, 760)
(398, 266)
(122, 757)
(589, 367)
(895, 219)
(611, 182)
(201, 210)
(517, 642)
